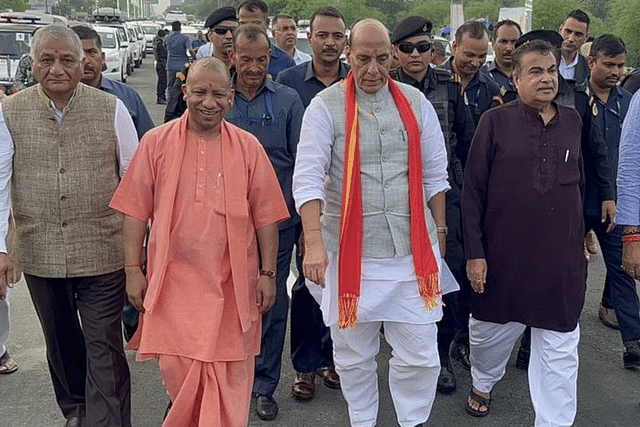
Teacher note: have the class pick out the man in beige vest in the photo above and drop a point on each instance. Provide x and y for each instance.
(372, 160)
(63, 161)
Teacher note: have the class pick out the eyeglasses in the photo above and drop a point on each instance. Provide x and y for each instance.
(422, 47)
(221, 31)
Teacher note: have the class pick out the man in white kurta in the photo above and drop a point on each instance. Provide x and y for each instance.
(389, 292)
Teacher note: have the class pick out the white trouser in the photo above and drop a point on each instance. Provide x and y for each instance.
(413, 370)
(553, 367)
(4, 324)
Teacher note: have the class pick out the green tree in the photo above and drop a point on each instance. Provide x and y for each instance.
(625, 25)
(15, 5)
(550, 14)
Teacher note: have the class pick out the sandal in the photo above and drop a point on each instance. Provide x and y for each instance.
(7, 364)
(480, 400)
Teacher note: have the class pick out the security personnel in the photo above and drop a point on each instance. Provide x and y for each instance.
(469, 54)
(412, 47)
(505, 35)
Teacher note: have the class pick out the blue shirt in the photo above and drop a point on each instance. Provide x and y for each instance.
(195, 44)
(609, 117)
(303, 79)
(629, 167)
(274, 116)
(177, 45)
(479, 93)
(279, 61)
(130, 98)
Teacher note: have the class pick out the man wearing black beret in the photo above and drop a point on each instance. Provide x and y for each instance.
(412, 47)
(220, 25)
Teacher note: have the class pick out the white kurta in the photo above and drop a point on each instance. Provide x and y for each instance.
(388, 291)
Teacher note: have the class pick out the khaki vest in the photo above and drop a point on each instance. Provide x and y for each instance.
(384, 172)
(63, 178)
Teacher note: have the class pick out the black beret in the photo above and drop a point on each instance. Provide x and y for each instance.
(411, 26)
(550, 36)
(226, 13)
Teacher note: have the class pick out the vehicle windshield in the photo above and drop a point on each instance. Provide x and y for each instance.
(15, 43)
(108, 40)
(148, 29)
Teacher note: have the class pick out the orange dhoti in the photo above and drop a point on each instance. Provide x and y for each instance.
(207, 394)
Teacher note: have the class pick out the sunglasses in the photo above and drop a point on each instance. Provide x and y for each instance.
(422, 47)
(221, 31)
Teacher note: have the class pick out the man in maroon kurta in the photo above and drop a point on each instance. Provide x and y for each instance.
(523, 234)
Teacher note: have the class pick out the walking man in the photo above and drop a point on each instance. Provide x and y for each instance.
(68, 241)
(369, 185)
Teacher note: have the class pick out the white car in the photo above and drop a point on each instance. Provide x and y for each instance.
(150, 30)
(134, 45)
(126, 39)
(115, 55)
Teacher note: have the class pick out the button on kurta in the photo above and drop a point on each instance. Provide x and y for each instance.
(62, 170)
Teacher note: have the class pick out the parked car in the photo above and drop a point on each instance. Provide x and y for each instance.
(16, 32)
(115, 54)
(150, 30)
(140, 36)
(127, 41)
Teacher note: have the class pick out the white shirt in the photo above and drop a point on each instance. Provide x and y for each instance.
(299, 57)
(568, 71)
(388, 291)
(205, 50)
(125, 147)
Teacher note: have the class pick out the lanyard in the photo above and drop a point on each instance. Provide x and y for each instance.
(266, 119)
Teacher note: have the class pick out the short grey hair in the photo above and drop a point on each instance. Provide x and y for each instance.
(55, 32)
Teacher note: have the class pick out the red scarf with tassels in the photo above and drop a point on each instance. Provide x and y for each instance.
(350, 251)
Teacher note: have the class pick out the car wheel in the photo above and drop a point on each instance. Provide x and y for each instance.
(144, 54)
(123, 75)
(137, 63)
(130, 68)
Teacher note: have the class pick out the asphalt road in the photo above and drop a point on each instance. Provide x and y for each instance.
(608, 394)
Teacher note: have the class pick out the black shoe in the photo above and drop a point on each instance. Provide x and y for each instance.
(266, 407)
(631, 356)
(75, 422)
(446, 379)
(460, 352)
(522, 361)
(161, 102)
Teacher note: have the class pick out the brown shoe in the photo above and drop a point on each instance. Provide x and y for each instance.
(304, 386)
(608, 317)
(330, 377)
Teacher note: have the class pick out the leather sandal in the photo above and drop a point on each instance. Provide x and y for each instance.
(7, 364)
(480, 400)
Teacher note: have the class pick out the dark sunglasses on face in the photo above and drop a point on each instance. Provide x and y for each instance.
(222, 30)
(422, 47)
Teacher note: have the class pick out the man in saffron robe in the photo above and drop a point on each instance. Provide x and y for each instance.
(371, 158)
(214, 200)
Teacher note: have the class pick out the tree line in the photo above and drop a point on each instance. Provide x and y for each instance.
(619, 17)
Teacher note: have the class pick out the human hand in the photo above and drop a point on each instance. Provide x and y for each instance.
(442, 244)
(8, 275)
(609, 213)
(631, 259)
(477, 274)
(315, 261)
(136, 287)
(266, 293)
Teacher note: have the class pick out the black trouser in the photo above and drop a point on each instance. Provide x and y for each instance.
(86, 358)
(162, 82)
(311, 344)
(455, 318)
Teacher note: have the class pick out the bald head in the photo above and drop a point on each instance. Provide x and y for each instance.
(208, 65)
(369, 55)
(209, 96)
(367, 27)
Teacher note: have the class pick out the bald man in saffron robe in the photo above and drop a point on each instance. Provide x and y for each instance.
(214, 204)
